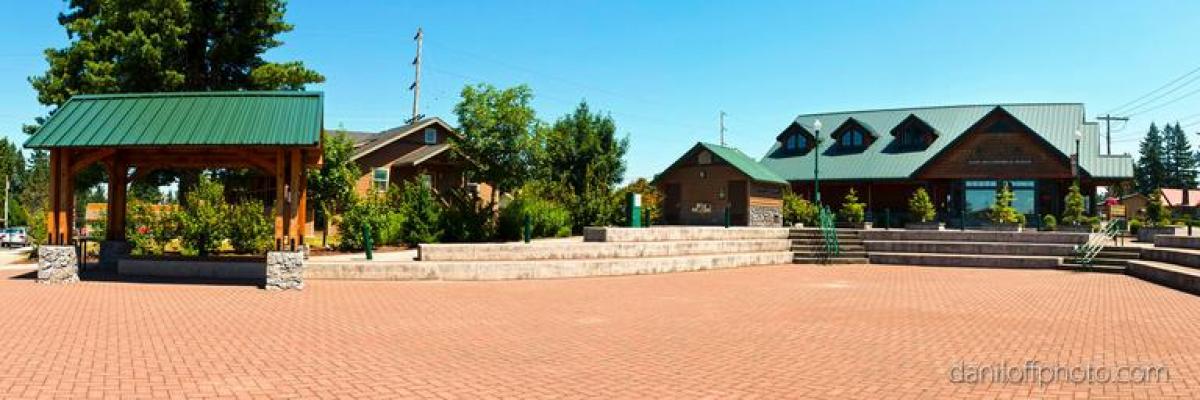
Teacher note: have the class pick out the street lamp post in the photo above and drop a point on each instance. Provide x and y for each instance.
(1078, 138)
(817, 161)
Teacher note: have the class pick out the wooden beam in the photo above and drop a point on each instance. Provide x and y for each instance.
(66, 197)
(302, 204)
(293, 196)
(52, 203)
(89, 158)
(279, 197)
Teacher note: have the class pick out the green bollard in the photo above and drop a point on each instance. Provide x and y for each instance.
(962, 224)
(367, 241)
(887, 218)
(528, 228)
(634, 201)
(726, 216)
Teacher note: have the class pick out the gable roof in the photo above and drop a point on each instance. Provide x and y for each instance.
(1053, 122)
(367, 144)
(736, 159)
(242, 118)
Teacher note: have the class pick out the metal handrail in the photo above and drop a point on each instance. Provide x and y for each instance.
(1086, 253)
(829, 233)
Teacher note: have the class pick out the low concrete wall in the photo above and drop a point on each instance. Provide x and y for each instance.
(680, 233)
(961, 260)
(976, 236)
(546, 269)
(372, 271)
(1147, 234)
(593, 250)
(184, 268)
(1184, 257)
(969, 248)
(1186, 242)
(1167, 275)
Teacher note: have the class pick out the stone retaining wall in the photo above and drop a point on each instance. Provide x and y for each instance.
(1187, 242)
(970, 248)
(976, 236)
(681, 233)
(593, 250)
(548, 269)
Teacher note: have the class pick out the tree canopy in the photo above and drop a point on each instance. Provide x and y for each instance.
(583, 158)
(1150, 171)
(496, 127)
(169, 45)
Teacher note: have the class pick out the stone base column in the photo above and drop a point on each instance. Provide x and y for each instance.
(57, 264)
(111, 251)
(285, 270)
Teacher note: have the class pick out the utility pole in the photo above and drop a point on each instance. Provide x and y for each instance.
(722, 128)
(1108, 119)
(416, 85)
(6, 188)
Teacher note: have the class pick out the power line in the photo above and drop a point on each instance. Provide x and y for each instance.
(1152, 92)
(1169, 102)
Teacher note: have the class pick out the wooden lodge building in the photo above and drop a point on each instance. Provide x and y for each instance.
(418, 151)
(960, 154)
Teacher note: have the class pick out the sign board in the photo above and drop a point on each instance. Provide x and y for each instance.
(1116, 210)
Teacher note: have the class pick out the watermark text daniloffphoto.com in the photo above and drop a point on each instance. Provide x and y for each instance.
(1041, 373)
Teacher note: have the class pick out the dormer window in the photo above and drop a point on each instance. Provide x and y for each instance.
(913, 134)
(853, 136)
(794, 141)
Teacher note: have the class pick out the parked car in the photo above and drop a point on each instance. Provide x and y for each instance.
(14, 237)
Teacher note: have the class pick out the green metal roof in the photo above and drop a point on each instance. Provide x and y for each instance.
(1054, 122)
(185, 119)
(739, 161)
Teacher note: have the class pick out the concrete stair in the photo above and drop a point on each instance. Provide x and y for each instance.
(593, 250)
(808, 247)
(1174, 261)
(986, 249)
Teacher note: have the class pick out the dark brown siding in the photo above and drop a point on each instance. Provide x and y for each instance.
(980, 154)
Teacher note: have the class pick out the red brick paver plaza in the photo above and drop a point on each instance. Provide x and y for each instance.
(799, 332)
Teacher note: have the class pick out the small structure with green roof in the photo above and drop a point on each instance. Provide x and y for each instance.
(709, 178)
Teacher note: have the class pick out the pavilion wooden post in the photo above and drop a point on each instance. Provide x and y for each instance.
(297, 165)
(118, 172)
(52, 205)
(301, 202)
(279, 199)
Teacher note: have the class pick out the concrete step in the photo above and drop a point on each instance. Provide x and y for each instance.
(592, 250)
(831, 260)
(1124, 255)
(1114, 262)
(819, 241)
(680, 233)
(1179, 241)
(966, 260)
(1166, 274)
(819, 237)
(1177, 256)
(821, 246)
(816, 254)
(1110, 269)
(968, 248)
(975, 236)
(542, 269)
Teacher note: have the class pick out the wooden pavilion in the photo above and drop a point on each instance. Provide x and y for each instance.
(276, 133)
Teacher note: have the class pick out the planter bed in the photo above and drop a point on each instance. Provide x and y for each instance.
(211, 267)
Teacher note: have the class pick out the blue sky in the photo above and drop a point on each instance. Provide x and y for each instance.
(664, 70)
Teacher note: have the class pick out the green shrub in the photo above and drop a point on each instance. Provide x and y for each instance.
(1156, 213)
(547, 219)
(421, 214)
(372, 211)
(852, 211)
(920, 206)
(251, 230)
(798, 210)
(1135, 225)
(204, 222)
(149, 229)
(1002, 211)
(1073, 213)
(467, 218)
(1049, 223)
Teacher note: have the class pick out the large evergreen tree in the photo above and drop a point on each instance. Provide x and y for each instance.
(331, 187)
(1178, 159)
(1150, 171)
(168, 45)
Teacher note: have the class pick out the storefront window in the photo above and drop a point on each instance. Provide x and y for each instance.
(981, 194)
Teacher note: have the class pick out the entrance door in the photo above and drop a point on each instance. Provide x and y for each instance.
(671, 203)
(736, 195)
